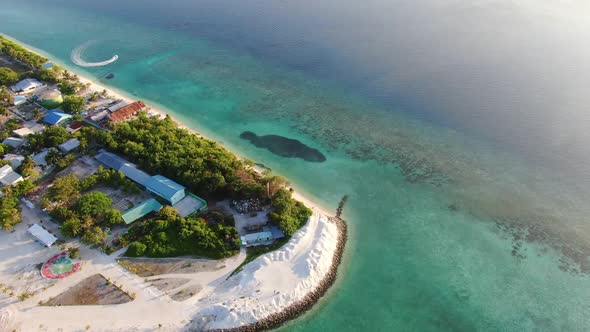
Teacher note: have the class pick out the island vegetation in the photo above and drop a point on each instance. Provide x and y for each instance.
(159, 146)
(170, 235)
(20, 53)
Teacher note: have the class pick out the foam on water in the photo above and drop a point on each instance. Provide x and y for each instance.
(76, 56)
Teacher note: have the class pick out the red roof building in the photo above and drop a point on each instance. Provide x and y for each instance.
(127, 112)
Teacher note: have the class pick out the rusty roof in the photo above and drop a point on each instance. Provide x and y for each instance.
(127, 111)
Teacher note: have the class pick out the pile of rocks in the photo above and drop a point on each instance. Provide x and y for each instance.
(247, 205)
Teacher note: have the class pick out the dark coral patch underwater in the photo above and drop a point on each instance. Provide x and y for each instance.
(284, 147)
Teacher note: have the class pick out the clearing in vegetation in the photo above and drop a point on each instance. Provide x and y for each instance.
(93, 290)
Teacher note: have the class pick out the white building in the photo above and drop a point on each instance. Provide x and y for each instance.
(8, 177)
(69, 145)
(28, 129)
(42, 235)
(27, 85)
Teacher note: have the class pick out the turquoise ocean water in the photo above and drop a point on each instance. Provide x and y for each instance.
(457, 128)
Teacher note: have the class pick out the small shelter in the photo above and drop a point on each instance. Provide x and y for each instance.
(42, 235)
(141, 210)
(253, 239)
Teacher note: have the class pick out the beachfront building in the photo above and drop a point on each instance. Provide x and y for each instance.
(141, 210)
(254, 239)
(14, 142)
(42, 235)
(26, 85)
(69, 145)
(55, 117)
(127, 112)
(8, 176)
(15, 159)
(117, 106)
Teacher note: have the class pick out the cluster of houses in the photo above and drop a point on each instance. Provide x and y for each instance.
(166, 191)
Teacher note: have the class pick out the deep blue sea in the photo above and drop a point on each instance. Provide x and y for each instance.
(459, 129)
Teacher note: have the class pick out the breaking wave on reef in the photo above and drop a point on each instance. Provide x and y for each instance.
(76, 57)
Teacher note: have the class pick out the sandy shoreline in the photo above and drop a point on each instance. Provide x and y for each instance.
(307, 266)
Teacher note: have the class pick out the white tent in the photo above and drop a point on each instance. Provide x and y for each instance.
(42, 235)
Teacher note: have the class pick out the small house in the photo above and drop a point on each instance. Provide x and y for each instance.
(39, 158)
(8, 176)
(14, 142)
(69, 145)
(15, 159)
(26, 85)
(28, 129)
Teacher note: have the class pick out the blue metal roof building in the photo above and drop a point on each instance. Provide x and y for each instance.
(110, 160)
(166, 188)
(157, 184)
(135, 174)
(55, 117)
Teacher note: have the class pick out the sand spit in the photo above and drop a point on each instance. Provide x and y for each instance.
(281, 285)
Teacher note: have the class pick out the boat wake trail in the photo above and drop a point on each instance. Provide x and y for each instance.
(76, 56)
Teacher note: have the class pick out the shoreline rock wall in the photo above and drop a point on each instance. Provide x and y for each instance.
(300, 307)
